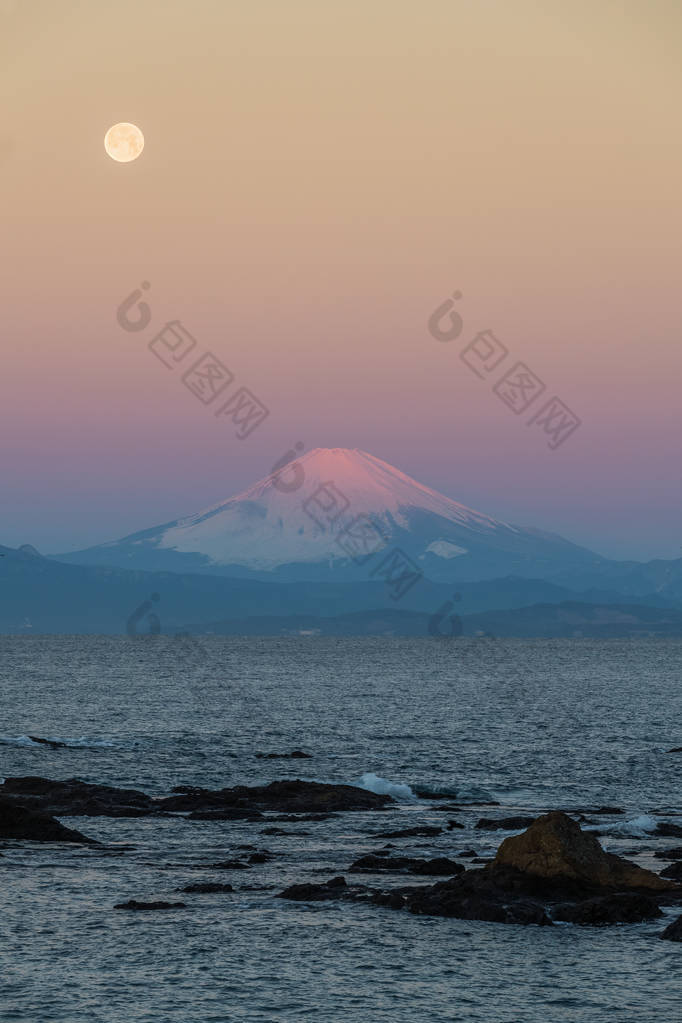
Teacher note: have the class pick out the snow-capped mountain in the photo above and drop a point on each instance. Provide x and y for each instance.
(328, 513)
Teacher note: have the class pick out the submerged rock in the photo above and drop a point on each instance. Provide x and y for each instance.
(235, 814)
(18, 822)
(296, 755)
(425, 831)
(206, 888)
(133, 904)
(383, 862)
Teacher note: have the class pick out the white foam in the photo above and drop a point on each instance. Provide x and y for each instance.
(636, 827)
(383, 787)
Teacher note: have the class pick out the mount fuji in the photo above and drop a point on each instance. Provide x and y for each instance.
(295, 524)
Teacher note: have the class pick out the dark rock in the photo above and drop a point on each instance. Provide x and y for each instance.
(132, 904)
(475, 896)
(625, 908)
(451, 825)
(668, 830)
(384, 863)
(261, 857)
(674, 871)
(52, 743)
(426, 831)
(504, 823)
(206, 888)
(673, 931)
(555, 850)
(18, 822)
(296, 755)
(291, 796)
(333, 889)
(678, 749)
(467, 854)
(75, 798)
(669, 854)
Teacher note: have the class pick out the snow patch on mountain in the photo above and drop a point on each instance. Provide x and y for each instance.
(445, 549)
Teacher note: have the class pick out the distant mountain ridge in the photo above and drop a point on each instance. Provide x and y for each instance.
(40, 595)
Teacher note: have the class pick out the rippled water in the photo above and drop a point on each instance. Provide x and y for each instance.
(533, 725)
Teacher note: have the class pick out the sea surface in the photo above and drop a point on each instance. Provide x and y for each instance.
(534, 725)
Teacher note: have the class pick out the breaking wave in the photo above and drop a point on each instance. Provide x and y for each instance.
(636, 827)
(383, 787)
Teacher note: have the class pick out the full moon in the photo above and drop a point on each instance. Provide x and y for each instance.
(124, 142)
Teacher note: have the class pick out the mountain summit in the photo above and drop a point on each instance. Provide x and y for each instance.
(299, 521)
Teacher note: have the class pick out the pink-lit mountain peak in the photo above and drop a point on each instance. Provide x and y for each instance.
(369, 484)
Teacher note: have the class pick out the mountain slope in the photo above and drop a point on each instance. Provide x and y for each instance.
(302, 523)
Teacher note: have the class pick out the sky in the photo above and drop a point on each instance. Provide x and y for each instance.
(317, 180)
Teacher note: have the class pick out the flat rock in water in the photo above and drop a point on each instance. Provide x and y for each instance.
(668, 829)
(504, 823)
(621, 908)
(17, 822)
(290, 796)
(333, 889)
(75, 798)
(475, 896)
(52, 743)
(669, 854)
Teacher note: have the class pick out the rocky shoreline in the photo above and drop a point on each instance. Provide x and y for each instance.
(552, 871)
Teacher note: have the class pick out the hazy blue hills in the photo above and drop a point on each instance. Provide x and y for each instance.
(41, 595)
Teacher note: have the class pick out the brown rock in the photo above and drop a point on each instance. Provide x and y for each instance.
(555, 849)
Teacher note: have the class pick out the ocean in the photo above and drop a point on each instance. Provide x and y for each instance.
(531, 725)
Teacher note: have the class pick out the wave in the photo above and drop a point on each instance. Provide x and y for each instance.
(55, 742)
(383, 787)
(411, 793)
(636, 827)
